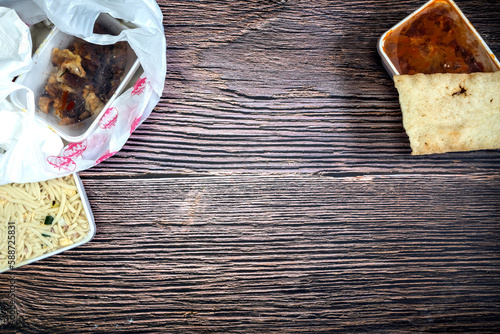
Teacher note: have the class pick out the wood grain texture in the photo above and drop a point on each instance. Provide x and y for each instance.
(285, 87)
(297, 207)
(276, 254)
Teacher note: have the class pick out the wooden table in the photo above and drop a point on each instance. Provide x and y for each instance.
(272, 190)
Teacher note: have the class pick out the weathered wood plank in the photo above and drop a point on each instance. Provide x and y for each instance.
(276, 254)
(293, 86)
(282, 87)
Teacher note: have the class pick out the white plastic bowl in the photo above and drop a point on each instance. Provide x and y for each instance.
(42, 68)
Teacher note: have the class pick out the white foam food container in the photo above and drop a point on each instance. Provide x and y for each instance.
(388, 64)
(42, 68)
(88, 237)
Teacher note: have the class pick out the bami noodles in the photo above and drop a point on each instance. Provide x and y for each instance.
(47, 216)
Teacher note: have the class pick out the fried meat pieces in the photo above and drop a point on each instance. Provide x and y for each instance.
(86, 76)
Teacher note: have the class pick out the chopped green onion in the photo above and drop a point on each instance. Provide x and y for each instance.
(48, 220)
(46, 235)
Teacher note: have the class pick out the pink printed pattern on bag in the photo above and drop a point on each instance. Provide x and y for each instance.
(135, 124)
(62, 163)
(105, 156)
(75, 150)
(139, 87)
(109, 118)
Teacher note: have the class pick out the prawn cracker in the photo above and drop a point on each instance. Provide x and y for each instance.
(448, 112)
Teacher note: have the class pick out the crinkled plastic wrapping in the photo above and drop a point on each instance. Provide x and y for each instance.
(29, 150)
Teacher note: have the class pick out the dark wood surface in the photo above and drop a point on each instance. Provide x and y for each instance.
(272, 190)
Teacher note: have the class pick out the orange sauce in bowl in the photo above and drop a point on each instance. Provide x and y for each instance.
(437, 40)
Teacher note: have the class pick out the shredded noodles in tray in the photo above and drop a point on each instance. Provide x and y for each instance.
(47, 216)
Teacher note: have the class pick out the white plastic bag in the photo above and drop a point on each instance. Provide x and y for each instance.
(35, 153)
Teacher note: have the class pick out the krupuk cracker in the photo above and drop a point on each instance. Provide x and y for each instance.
(448, 112)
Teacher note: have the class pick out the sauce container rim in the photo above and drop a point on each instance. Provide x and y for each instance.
(387, 63)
